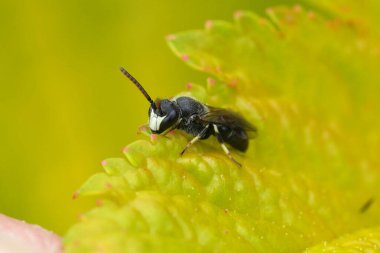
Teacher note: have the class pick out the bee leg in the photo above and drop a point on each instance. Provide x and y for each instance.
(195, 139)
(224, 147)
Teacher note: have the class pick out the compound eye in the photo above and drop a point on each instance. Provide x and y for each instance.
(169, 121)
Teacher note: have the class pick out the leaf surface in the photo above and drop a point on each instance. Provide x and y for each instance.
(311, 89)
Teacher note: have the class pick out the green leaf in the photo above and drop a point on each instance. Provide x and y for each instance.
(366, 240)
(311, 90)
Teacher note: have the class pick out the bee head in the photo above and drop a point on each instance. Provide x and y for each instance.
(163, 116)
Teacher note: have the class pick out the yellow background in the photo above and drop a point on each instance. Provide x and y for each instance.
(65, 106)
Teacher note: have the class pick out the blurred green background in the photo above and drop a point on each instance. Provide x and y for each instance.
(65, 106)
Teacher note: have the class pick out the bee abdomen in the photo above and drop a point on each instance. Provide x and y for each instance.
(236, 137)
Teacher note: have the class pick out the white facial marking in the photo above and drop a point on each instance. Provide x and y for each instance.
(155, 121)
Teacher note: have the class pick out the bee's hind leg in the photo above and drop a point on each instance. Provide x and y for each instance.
(195, 139)
(224, 147)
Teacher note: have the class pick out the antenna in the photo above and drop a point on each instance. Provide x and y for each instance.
(139, 86)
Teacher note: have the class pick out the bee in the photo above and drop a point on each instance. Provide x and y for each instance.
(197, 119)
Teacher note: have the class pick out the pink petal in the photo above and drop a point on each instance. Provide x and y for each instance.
(20, 237)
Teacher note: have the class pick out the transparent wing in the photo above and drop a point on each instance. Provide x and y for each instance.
(230, 119)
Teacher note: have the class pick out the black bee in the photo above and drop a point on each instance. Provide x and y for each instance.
(197, 119)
